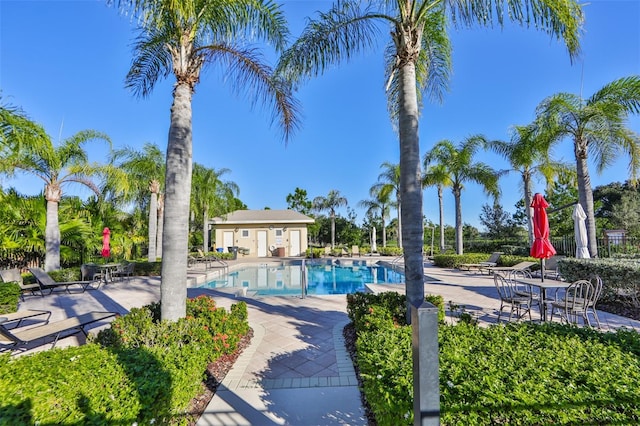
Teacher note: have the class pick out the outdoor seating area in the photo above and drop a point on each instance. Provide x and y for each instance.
(49, 284)
(492, 261)
(13, 275)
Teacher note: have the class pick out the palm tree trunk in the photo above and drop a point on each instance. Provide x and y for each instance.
(411, 188)
(585, 195)
(384, 231)
(399, 223)
(153, 226)
(457, 197)
(333, 230)
(205, 229)
(160, 231)
(52, 238)
(441, 210)
(526, 182)
(173, 286)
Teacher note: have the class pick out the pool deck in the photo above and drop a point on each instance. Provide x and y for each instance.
(296, 371)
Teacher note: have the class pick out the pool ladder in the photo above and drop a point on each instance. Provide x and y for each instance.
(303, 279)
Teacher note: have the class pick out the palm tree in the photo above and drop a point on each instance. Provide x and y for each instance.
(417, 62)
(209, 192)
(181, 37)
(31, 151)
(457, 163)
(528, 155)
(140, 183)
(332, 201)
(388, 183)
(437, 175)
(380, 201)
(597, 126)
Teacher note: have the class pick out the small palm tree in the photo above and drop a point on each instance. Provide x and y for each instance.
(389, 183)
(458, 164)
(140, 182)
(438, 176)
(31, 151)
(528, 155)
(181, 38)
(330, 203)
(597, 127)
(379, 201)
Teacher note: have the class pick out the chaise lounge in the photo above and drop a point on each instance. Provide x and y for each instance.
(47, 283)
(13, 275)
(18, 339)
(20, 316)
(492, 261)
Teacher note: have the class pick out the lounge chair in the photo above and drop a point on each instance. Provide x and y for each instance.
(20, 316)
(551, 268)
(344, 252)
(16, 339)
(522, 266)
(355, 251)
(327, 251)
(492, 261)
(48, 283)
(13, 275)
(125, 270)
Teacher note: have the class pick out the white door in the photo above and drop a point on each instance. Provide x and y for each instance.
(262, 243)
(294, 243)
(227, 240)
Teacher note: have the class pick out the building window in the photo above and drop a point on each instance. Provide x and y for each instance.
(244, 233)
(278, 232)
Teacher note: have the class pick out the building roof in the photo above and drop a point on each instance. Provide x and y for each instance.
(240, 217)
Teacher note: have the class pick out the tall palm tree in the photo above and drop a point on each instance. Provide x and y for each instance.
(211, 196)
(32, 152)
(379, 201)
(460, 167)
(181, 37)
(389, 183)
(528, 155)
(438, 176)
(417, 62)
(330, 203)
(141, 183)
(597, 126)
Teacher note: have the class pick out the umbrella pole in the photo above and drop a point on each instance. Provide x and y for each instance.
(542, 269)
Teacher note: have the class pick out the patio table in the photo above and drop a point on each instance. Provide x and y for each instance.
(543, 286)
(106, 270)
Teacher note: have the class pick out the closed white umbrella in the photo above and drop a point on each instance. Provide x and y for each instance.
(374, 247)
(580, 229)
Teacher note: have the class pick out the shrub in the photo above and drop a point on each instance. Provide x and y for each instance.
(505, 374)
(9, 297)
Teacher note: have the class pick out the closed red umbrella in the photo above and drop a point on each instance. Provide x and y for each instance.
(541, 248)
(106, 251)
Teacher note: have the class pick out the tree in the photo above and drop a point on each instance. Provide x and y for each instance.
(460, 167)
(437, 175)
(211, 196)
(499, 224)
(379, 201)
(597, 127)
(181, 38)
(299, 202)
(141, 183)
(31, 151)
(417, 61)
(330, 203)
(389, 183)
(528, 155)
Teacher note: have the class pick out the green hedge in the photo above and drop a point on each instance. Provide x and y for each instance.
(522, 374)
(9, 297)
(455, 260)
(620, 277)
(138, 371)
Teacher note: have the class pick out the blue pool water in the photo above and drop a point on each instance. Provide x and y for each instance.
(322, 279)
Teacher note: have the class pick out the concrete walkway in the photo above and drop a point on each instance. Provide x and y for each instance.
(296, 370)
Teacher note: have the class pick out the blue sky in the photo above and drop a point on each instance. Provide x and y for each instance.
(64, 63)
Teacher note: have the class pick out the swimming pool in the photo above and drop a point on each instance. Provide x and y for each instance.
(322, 278)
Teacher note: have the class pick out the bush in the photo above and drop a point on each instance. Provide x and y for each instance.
(9, 297)
(455, 260)
(523, 373)
(140, 370)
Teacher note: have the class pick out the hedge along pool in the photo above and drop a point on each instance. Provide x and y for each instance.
(322, 278)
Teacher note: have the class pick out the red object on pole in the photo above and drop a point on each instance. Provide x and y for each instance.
(106, 251)
(541, 248)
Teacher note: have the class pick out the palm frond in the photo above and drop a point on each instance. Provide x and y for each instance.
(151, 61)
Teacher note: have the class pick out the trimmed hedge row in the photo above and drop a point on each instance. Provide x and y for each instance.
(455, 260)
(524, 374)
(140, 370)
(620, 277)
